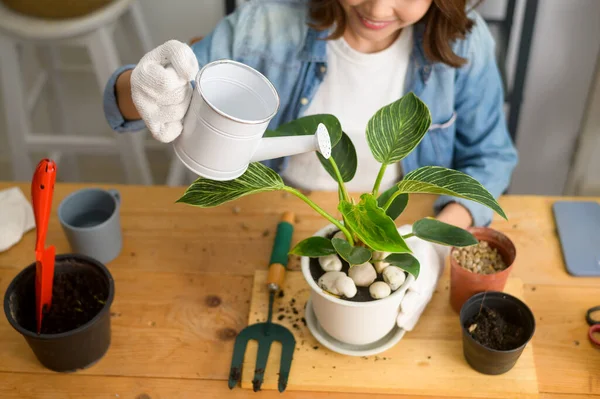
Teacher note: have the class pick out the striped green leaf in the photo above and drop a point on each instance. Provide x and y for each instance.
(443, 181)
(207, 193)
(433, 230)
(372, 225)
(344, 155)
(396, 129)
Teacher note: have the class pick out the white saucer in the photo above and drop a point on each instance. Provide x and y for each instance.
(333, 344)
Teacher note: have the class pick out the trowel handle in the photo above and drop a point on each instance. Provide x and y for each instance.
(42, 188)
(279, 254)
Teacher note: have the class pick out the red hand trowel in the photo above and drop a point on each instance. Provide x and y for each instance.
(42, 188)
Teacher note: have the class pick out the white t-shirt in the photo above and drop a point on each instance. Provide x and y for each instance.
(355, 87)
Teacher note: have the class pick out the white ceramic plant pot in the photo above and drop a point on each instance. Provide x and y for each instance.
(355, 323)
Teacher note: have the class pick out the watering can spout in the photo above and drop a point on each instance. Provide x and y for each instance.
(278, 147)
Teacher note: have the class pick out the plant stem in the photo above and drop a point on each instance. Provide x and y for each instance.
(320, 212)
(483, 300)
(379, 177)
(339, 179)
(408, 235)
(341, 198)
(391, 199)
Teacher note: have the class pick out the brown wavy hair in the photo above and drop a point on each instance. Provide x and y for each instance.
(445, 22)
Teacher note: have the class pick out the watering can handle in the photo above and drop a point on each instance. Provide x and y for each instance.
(279, 254)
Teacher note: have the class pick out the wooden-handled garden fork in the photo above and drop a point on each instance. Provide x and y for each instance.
(266, 333)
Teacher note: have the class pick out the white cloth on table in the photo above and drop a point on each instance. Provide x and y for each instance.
(16, 217)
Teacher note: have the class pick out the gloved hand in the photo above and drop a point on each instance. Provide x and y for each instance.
(161, 88)
(432, 259)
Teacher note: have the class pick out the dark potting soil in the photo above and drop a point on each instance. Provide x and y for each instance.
(78, 295)
(491, 330)
(362, 293)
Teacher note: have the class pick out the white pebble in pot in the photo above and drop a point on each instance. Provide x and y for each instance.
(394, 276)
(363, 275)
(327, 281)
(379, 290)
(345, 286)
(330, 263)
(379, 256)
(340, 235)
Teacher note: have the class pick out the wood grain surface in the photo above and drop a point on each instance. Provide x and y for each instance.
(433, 348)
(183, 289)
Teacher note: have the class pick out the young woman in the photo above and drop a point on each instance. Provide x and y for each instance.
(348, 58)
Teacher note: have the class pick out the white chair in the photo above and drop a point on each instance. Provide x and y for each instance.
(178, 174)
(94, 32)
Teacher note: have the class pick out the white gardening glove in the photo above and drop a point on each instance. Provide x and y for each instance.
(161, 88)
(432, 259)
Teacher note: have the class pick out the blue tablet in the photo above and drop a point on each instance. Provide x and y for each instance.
(578, 226)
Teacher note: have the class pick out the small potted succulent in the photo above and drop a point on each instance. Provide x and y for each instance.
(359, 267)
(482, 267)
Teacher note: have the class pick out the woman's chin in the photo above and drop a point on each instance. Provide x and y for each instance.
(380, 38)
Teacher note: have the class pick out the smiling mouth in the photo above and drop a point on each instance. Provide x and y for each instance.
(372, 24)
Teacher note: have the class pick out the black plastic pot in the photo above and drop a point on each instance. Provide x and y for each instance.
(491, 361)
(70, 350)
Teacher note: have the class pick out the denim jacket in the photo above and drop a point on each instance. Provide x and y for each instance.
(468, 131)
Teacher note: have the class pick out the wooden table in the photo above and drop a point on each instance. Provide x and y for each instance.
(171, 341)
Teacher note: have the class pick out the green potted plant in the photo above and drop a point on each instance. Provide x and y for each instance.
(363, 255)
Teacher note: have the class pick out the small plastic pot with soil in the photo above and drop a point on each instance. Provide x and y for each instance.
(482, 267)
(496, 327)
(76, 330)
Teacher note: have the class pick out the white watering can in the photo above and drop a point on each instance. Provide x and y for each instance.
(230, 110)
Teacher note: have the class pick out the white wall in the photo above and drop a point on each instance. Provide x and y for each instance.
(585, 176)
(565, 48)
